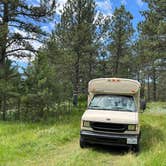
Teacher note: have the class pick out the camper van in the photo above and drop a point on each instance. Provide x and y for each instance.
(112, 117)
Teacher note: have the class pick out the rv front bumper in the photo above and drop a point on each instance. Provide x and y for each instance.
(109, 139)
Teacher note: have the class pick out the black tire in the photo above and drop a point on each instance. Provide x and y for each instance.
(136, 148)
(83, 144)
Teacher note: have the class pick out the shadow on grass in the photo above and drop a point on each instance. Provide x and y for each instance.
(114, 150)
(150, 137)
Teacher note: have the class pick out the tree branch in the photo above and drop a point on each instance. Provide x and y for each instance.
(20, 49)
(22, 38)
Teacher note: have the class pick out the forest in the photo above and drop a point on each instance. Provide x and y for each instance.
(83, 44)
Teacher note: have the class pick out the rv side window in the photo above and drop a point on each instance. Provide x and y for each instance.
(113, 102)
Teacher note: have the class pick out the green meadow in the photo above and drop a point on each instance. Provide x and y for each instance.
(56, 142)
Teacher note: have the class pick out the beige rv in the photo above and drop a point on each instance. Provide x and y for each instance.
(112, 117)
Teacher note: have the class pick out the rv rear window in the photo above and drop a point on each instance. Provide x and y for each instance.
(113, 102)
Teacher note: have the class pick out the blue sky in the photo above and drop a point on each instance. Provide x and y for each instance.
(106, 7)
(134, 6)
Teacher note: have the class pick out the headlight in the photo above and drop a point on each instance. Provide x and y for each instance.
(86, 124)
(132, 127)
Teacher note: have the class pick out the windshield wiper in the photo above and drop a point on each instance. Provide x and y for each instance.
(129, 110)
(96, 106)
(121, 109)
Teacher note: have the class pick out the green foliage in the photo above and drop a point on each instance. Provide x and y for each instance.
(9, 78)
(9, 87)
(151, 46)
(42, 90)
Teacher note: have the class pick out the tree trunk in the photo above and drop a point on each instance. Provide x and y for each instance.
(104, 68)
(4, 108)
(3, 36)
(148, 89)
(154, 85)
(142, 93)
(118, 54)
(3, 43)
(18, 109)
(90, 68)
(117, 63)
(77, 75)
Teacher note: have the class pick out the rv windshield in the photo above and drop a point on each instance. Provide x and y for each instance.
(113, 102)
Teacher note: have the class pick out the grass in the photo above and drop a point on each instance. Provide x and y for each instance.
(56, 143)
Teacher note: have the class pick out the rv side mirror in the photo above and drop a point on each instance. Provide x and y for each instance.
(75, 99)
(143, 105)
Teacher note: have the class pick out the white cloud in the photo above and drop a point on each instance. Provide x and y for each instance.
(45, 28)
(123, 2)
(105, 7)
(36, 45)
(140, 3)
(15, 30)
(52, 24)
(96, 16)
(23, 59)
(60, 4)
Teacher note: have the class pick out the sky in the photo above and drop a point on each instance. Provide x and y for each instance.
(106, 7)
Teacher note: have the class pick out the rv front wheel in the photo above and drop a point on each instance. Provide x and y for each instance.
(136, 148)
(82, 143)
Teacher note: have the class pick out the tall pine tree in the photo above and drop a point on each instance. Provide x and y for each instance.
(120, 45)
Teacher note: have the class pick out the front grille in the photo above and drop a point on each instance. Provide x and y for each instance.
(111, 127)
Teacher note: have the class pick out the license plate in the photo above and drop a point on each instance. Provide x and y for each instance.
(131, 140)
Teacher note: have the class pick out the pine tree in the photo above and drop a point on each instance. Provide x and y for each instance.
(120, 36)
(41, 88)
